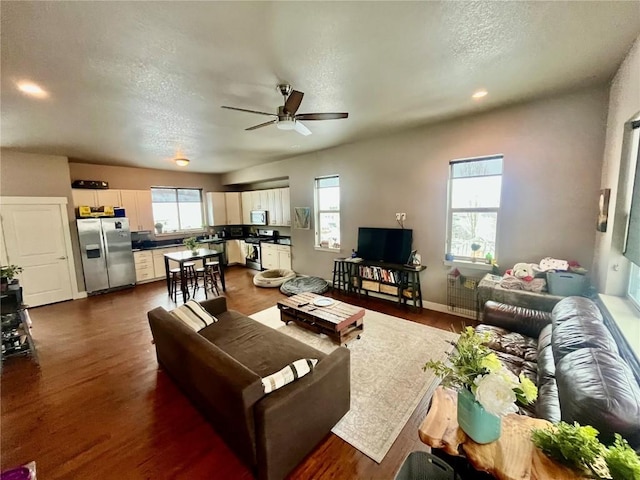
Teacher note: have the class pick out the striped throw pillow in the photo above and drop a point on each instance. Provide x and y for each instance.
(193, 315)
(288, 374)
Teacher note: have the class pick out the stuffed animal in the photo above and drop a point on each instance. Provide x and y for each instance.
(523, 271)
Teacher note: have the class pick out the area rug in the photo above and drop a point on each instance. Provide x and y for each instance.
(387, 381)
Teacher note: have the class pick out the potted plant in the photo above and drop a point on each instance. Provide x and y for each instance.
(579, 448)
(475, 246)
(7, 275)
(191, 243)
(159, 226)
(487, 390)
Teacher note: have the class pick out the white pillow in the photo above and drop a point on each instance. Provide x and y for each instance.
(193, 315)
(288, 374)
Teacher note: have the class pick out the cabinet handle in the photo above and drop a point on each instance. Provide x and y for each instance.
(62, 258)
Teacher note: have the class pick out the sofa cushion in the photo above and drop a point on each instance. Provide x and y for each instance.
(502, 340)
(544, 339)
(288, 374)
(596, 387)
(575, 307)
(193, 315)
(260, 348)
(577, 333)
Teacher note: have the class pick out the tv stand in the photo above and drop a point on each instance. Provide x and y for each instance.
(391, 279)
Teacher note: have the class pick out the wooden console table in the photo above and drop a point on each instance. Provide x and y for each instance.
(512, 457)
(399, 281)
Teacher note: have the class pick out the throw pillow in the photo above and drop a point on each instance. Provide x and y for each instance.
(288, 374)
(193, 315)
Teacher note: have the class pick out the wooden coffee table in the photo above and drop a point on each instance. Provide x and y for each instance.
(340, 321)
(512, 457)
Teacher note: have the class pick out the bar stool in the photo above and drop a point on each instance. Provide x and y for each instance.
(189, 274)
(212, 274)
(340, 275)
(201, 272)
(174, 283)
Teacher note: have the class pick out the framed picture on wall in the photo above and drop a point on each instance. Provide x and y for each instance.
(302, 218)
(603, 210)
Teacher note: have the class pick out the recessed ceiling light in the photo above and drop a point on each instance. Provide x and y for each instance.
(480, 94)
(182, 162)
(32, 89)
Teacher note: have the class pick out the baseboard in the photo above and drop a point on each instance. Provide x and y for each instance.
(80, 295)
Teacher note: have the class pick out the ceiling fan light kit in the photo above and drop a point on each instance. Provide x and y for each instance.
(286, 118)
(182, 162)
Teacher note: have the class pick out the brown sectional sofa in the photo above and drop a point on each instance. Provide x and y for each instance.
(220, 370)
(573, 358)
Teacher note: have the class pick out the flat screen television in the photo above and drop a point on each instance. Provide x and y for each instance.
(391, 245)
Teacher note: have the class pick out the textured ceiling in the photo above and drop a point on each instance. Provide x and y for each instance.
(138, 83)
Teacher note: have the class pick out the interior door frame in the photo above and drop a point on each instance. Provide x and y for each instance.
(62, 205)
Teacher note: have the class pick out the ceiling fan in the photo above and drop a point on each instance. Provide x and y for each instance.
(286, 118)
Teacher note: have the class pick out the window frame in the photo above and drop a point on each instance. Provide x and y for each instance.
(181, 230)
(451, 210)
(318, 212)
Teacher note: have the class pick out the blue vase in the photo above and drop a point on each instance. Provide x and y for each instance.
(475, 421)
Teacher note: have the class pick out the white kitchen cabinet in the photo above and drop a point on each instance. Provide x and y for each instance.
(269, 256)
(143, 261)
(95, 198)
(284, 257)
(274, 208)
(216, 208)
(243, 252)
(108, 197)
(263, 195)
(233, 208)
(235, 252)
(158, 260)
(247, 206)
(255, 200)
(286, 206)
(138, 209)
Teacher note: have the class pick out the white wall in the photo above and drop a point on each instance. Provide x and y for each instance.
(612, 269)
(553, 161)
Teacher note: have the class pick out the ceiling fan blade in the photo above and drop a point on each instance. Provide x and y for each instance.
(270, 122)
(301, 129)
(250, 111)
(293, 102)
(321, 116)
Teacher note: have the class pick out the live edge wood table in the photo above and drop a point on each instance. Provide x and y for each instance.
(339, 321)
(512, 457)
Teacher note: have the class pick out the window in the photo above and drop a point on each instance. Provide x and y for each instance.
(177, 209)
(474, 205)
(328, 212)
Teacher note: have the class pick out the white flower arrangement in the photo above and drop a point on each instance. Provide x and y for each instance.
(475, 367)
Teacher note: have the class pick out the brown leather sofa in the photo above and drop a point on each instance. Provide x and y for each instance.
(573, 358)
(220, 370)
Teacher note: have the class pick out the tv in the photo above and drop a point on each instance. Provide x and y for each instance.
(390, 245)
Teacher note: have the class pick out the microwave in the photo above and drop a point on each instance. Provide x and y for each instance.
(259, 217)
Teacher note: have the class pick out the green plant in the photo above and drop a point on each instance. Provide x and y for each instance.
(191, 243)
(10, 271)
(573, 445)
(622, 461)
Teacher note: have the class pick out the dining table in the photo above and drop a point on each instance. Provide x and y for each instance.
(182, 257)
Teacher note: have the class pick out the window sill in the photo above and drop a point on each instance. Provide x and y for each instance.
(487, 267)
(181, 234)
(626, 317)
(327, 249)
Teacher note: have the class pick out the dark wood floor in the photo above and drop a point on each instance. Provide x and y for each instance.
(99, 407)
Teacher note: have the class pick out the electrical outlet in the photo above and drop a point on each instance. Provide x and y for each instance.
(403, 217)
(398, 216)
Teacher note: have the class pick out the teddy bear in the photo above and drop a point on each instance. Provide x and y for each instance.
(523, 271)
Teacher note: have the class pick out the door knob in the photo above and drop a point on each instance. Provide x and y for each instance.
(62, 258)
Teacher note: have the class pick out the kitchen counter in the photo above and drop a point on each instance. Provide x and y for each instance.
(154, 245)
(280, 241)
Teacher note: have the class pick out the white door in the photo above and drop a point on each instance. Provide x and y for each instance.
(34, 240)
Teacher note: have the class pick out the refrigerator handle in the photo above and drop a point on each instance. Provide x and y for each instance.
(105, 246)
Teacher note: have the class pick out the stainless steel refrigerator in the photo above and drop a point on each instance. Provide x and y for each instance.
(107, 258)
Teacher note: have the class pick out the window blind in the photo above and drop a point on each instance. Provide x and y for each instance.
(632, 245)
